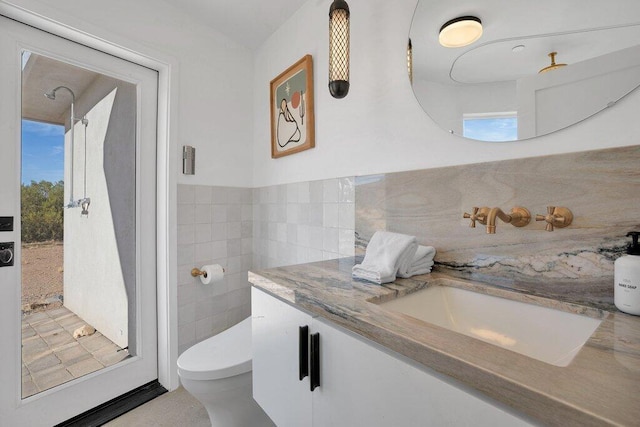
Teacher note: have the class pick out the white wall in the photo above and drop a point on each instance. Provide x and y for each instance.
(98, 287)
(551, 100)
(379, 126)
(447, 104)
(211, 85)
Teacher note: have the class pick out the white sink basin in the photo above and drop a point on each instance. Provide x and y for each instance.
(545, 334)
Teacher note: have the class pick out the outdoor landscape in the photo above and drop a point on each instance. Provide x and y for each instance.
(42, 248)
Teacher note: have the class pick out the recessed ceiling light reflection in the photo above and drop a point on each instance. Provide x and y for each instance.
(461, 31)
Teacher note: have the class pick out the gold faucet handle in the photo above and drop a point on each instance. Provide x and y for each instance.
(556, 217)
(478, 214)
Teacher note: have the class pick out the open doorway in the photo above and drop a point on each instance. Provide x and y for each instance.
(110, 231)
(78, 222)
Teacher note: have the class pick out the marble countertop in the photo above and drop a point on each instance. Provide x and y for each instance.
(601, 386)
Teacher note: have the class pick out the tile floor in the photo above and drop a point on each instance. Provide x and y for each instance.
(177, 408)
(51, 356)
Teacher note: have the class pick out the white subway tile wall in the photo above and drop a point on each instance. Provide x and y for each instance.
(243, 229)
(303, 222)
(212, 230)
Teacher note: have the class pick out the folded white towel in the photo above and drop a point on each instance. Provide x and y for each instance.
(385, 254)
(420, 264)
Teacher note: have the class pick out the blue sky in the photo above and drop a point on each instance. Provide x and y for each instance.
(42, 152)
(492, 129)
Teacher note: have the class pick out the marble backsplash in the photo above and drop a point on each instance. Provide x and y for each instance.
(602, 189)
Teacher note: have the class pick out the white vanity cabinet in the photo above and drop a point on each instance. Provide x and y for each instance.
(275, 369)
(361, 383)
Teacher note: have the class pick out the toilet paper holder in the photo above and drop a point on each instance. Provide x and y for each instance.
(195, 272)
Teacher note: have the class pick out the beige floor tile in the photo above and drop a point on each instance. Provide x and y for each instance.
(58, 339)
(28, 332)
(73, 354)
(29, 389)
(51, 356)
(36, 317)
(43, 363)
(84, 367)
(34, 349)
(94, 342)
(177, 408)
(110, 355)
(66, 321)
(46, 327)
(52, 377)
(59, 312)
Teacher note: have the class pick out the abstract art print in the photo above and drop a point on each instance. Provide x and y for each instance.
(292, 123)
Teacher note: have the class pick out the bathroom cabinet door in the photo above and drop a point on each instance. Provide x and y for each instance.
(361, 382)
(276, 366)
(365, 384)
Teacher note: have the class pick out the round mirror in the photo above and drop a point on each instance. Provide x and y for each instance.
(537, 67)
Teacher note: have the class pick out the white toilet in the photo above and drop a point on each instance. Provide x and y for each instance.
(217, 372)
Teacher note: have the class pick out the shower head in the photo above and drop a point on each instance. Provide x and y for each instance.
(52, 94)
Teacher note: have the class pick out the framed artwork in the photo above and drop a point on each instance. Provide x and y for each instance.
(292, 123)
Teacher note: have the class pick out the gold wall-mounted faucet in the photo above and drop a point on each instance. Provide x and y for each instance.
(477, 214)
(556, 217)
(518, 217)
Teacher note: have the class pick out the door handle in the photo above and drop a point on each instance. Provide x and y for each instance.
(314, 380)
(303, 352)
(6, 254)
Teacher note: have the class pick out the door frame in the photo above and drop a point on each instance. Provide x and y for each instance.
(166, 181)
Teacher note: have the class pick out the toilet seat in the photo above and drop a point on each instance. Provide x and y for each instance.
(221, 356)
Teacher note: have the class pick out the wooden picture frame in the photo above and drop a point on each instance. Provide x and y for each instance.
(292, 121)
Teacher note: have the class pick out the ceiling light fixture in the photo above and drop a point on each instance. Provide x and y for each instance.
(553, 65)
(339, 49)
(460, 32)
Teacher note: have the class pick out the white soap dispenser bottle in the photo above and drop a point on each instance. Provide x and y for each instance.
(626, 292)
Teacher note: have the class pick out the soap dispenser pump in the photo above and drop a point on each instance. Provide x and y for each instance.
(626, 292)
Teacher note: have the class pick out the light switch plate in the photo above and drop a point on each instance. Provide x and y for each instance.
(188, 160)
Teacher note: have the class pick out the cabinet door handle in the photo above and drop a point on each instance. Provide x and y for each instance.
(315, 361)
(303, 352)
